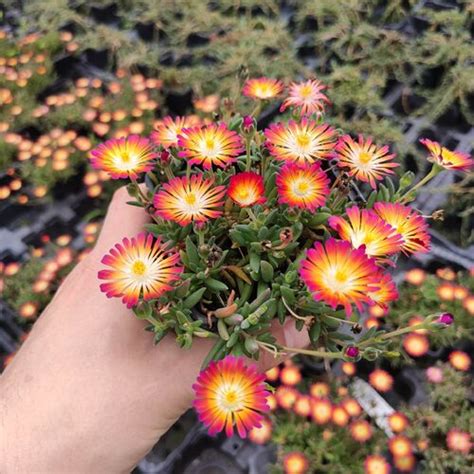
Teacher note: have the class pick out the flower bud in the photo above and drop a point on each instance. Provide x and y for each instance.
(351, 352)
(446, 318)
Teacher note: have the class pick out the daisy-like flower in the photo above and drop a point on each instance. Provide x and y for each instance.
(263, 434)
(398, 422)
(376, 464)
(295, 463)
(458, 440)
(166, 131)
(364, 160)
(361, 430)
(214, 144)
(184, 200)
(400, 445)
(407, 222)
(339, 275)
(365, 227)
(262, 88)
(321, 410)
(386, 292)
(140, 266)
(460, 360)
(246, 189)
(306, 187)
(228, 394)
(405, 463)
(416, 344)
(381, 380)
(450, 160)
(123, 157)
(302, 143)
(307, 96)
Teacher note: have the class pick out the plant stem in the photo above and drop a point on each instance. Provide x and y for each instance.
(392, 334)
(433, 172)
(250, 213)
(321, 354)
(248, 163)
(142, 196)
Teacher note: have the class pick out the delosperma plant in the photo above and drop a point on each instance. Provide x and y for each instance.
(296, 224)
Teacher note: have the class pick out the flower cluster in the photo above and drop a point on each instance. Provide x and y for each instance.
(294, 221)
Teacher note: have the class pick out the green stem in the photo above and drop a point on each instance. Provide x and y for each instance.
(321, 354)
(392, 334)
(143, 198)
(342, 321)
(248, 162)
(433, 172)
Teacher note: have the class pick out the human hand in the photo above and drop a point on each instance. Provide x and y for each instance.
(89, 391)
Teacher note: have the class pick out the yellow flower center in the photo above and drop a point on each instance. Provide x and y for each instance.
(139, 268)
(306, 91)
(263, 90)
(301, 188)
(340, 276)
(231, 398)
(190, 199)
(302, 140)
(210, 143)
(365, 157)
(448, 157)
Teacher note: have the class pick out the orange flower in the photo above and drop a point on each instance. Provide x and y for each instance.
(415, 276)
(340, 417)
(290, 375)
(321, 410)
(398, 422)
(295, 463)
(301, 143)
(352, 407)
(460, 360)
(305, 187)
(405, 463)
(123, 157)
(229, 393)
(468, 304)
(376, 464)
(184, 200)
(306, 96)
(303, 406)
(366, 228)
(166, 131)
(416, 345)
(139, 266)
(262, 88)
(407, 222)
(319, 389)
(272, 374)
(381, 380)
(361, 430)
(400, 445)
(286, 396)
(262, 434)
(211, 145)
(246, 189)
(339, 275)
(450, 160)
(364, 160)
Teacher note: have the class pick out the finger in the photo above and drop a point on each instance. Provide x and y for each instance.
(288, 336)
(122, 220)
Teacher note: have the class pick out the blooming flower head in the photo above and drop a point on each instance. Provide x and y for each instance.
(139, 266)
(166, 131)
(360, 430)
(364, 160)
(386, 292)
(302, 406)
(307, 96)
(460, 360)
(415, 276)
(286, 396)
(290, 375)
(306, 187)
(352, 406)
(123, 157)
(340, 417)
(295, 463)
(407, 222)
(303, 142)
(451, 160)
(319, 389)
(246, 189)
(416, 344)
(262, 434)
(262, 88)
(458, 440)
(321, 410)
(184, 200)
(405, 463)
(339, 275)
(213, 144)
(400, 445)
(381, 380)
(365, 227)
(398, 422)
(376, 464)
(228, 394)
